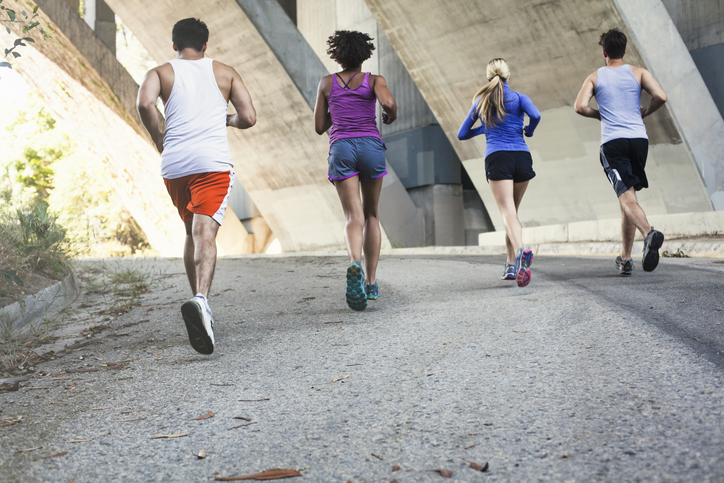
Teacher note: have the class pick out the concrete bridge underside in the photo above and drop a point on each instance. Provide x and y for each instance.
(551, 47)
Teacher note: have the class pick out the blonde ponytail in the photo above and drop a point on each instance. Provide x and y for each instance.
(490, 99)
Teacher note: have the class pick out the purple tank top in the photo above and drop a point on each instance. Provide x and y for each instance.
(352, 110)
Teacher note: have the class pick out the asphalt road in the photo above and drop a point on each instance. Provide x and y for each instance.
(581, 376)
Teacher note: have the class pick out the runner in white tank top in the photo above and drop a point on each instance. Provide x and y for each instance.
(624, 144)
(196, 163)
(195, 138)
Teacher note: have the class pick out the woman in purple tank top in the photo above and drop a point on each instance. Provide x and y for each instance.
(346, 104)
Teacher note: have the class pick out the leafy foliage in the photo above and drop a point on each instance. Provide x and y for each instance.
(10, 277)
(29, 23)
(41, 162)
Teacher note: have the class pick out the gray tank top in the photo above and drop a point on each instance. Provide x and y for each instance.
(618, 95)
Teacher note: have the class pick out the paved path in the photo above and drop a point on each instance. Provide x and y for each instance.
(581, 376)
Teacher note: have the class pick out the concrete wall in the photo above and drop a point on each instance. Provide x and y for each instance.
(281, 162)
(441, 45)
(699, 22)
(701, 26)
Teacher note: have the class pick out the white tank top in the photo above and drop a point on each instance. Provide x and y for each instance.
(195, 138)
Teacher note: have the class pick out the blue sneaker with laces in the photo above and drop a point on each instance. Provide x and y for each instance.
(356, 296)
(509, 273)
(523, 259)
(372, 291)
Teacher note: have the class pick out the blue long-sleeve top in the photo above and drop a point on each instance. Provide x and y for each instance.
(508, 134)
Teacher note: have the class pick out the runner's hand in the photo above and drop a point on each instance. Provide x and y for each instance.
(159, 143)
(386, 118)
(525, 133)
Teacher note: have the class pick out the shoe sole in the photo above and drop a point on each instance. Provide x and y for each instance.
(356, 297)
(198, 338)
(651, 257)
(524, 274)
(373, 297)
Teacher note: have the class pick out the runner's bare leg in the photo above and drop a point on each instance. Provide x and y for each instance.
(189, 262)
(204, 232)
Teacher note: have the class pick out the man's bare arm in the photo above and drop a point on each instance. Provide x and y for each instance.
(245, 116)
(322, 117)
(146, 103)
(584, 98)
(658, 96)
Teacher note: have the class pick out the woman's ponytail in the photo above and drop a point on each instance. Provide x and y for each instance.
(491, 97)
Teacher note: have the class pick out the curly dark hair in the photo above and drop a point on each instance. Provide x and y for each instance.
(349, 48)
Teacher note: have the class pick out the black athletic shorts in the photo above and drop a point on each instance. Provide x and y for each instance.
(623, 161)
(515, 165)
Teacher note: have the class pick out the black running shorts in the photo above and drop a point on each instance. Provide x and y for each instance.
(623, 161)
(515, 165)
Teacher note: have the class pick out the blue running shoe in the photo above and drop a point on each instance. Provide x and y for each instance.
(509, 273)
(356, 296)
(522, 264)
(372, 291)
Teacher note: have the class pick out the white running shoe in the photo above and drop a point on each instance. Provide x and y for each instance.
(199, 324)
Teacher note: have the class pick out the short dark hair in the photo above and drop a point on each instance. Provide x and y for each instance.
(350, 48)
(614, 43)
(190, 32)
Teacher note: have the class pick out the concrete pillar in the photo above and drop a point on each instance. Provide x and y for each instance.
(99, 16)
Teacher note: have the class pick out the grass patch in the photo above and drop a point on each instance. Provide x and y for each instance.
(121, 282)
(679, 253)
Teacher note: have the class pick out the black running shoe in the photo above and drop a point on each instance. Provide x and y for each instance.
(625, 267)
(652, 243)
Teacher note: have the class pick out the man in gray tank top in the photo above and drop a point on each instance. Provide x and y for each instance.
(624, 143)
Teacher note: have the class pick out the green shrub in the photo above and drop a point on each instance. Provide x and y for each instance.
(31, 239)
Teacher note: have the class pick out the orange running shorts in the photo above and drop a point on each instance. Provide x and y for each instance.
(203, 193)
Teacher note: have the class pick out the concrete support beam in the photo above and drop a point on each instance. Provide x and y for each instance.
(99, 17)
(84, 85)
(549, 58)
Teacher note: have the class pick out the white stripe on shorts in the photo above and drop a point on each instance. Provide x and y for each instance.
(219, 215)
